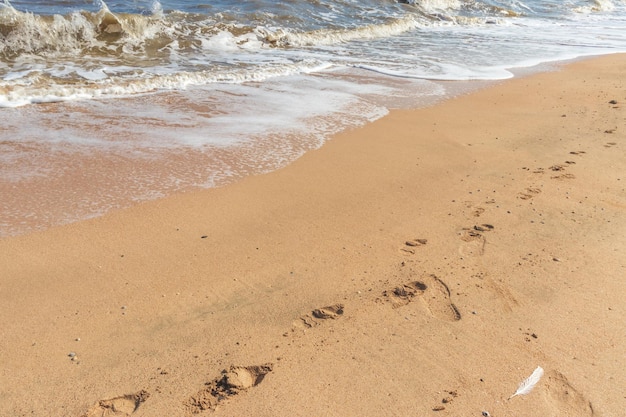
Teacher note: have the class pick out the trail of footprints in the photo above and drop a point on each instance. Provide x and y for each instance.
(232, 382)
(429, 289)
(558, 393)
(559, 174)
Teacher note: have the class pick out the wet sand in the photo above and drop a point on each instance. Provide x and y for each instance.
(425, 264)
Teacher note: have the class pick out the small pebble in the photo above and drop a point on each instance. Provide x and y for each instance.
(486, 414)
(71, 354)
(78, 339)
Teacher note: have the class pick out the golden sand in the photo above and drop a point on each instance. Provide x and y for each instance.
(423, 265)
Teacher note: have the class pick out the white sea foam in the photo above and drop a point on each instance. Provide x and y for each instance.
(14, 95)
(597, 6)
(93, 74)
(439, 5)
(448, 72)
(205, 136)
(225, 41)
(333, 37)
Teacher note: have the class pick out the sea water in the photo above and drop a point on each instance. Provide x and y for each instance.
(103, 105)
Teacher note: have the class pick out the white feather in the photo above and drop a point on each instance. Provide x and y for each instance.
(529, 383)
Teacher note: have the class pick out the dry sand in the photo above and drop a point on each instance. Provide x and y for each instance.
(423, 265)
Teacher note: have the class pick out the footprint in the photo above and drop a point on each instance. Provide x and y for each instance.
(478, 211)
(330, 312)
(473, 240)
(502, 294)
(565, 176)
(404, 294)
(475, 208)
(410, 245)
(432, 290)
(557, 167)
(564, 398)
(438, 300)
(122, 406)
(485, 227)
(447, 399)
(318, 315)
(529, 193)
(561, 168)
(232, 382)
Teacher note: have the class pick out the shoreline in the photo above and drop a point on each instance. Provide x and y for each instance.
(51, 181)
(423, 263)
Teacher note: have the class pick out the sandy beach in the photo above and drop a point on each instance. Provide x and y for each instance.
(425, 264)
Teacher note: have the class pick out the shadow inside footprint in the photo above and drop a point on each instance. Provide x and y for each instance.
(403, 295)
(330, 312)
(318, 315)
(410, 245)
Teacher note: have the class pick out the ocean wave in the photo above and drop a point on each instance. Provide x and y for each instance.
(37, 88)
(282, 37)
(103, 53)
(104, 33)
(434, 5)
(596, 6)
